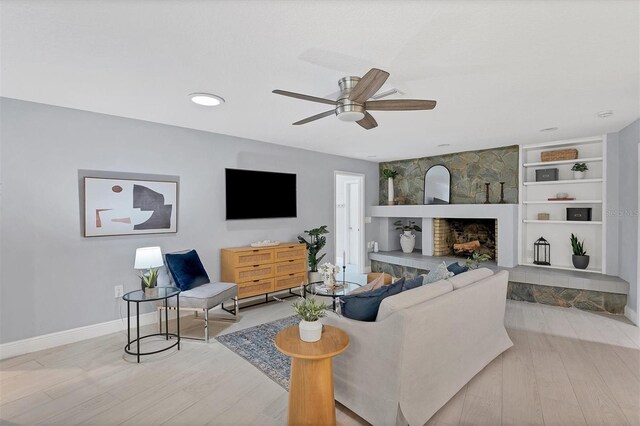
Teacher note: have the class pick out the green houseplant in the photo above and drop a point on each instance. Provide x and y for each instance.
(474, 261)
(579, 170)
(407, 238)
(390, 175)
(580, 259)
(315, 243)
(310, 311)
(150, 278)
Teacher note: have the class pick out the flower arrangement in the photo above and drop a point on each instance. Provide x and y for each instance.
(328, 270)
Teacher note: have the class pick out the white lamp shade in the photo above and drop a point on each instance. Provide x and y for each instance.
(148, 257)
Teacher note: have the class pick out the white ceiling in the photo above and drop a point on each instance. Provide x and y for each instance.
(500, 70)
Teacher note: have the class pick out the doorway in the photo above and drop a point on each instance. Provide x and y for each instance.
(349, 221)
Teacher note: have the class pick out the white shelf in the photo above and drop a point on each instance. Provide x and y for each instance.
(559, 222)
(565, 268)
(564, 202)
(560, 162)
(563, 182)
(580, 141)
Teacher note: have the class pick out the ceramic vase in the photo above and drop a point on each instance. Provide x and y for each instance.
(407, 241)
(315, 277)
(391, 195)
(310, 331)
(579, 175)
(330, 280)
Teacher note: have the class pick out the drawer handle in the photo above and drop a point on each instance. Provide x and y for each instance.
(255, 266)
(255, 251)
(256, 281)
(291, 274)
(292, 260)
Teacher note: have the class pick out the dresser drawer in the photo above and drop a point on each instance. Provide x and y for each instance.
(293, 266)
(254, 288)
(290, 252)
(252, 273)
(251, 257)
(290, 281)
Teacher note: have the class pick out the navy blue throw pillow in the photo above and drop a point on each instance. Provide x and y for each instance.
(186, 269)
(412, 283)
(456, 268)
(364, 306)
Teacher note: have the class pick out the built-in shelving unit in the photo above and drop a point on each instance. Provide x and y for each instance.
(588, 192)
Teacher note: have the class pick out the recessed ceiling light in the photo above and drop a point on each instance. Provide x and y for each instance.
(444, 144)
(206, 99)
(549, 129)
(605, 114)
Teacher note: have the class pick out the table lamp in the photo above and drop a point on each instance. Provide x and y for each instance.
(149, 259)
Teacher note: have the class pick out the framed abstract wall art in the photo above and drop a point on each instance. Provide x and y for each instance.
(129, 207)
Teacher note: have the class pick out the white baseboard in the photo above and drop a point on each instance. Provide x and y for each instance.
(632, 315)
(46, 341)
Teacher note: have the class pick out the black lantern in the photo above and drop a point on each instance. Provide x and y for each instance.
(541, 252)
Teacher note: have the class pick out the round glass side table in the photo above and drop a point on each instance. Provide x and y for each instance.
(342, 288)
(151, 295)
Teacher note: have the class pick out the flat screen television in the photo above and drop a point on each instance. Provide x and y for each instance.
(253, 194)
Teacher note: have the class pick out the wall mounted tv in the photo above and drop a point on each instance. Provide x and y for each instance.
(253, 194)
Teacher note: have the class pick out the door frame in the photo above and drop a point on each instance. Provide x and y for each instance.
(360, 177)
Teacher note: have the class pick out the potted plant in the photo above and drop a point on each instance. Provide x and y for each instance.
(579, 170)
(316, 242)
(407, 238)
(149, 279)
(474, 261)
(329, 272)
(310, 311)
(580, 259)
(390, 175)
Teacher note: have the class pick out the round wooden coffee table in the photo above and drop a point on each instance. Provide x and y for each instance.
(311, 400)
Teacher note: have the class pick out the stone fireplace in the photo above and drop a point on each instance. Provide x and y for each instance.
(458, 237)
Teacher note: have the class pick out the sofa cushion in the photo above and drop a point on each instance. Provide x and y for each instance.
(364, 306)
(469, 277)
(205, 296)
(413, 297)
(413, 283)
(440, 272)
(186, 269)
(456, 268)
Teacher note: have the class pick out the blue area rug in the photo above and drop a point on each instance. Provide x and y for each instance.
(255, 344)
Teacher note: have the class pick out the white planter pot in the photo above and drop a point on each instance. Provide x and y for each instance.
(310, 331)
(391, 195)
(579, 175)
(314, 277)
(407, 241)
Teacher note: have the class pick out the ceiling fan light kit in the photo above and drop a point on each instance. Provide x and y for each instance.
(353, 102)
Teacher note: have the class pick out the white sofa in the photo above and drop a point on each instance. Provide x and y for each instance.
(424, 346)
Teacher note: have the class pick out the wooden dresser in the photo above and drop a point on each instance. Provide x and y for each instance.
(262, 270)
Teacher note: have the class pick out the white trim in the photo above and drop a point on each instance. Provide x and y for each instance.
(361, 251)
(631, 315)
(578, 141)
(46, 341)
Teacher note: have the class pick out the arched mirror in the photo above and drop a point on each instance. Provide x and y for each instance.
(437, 185)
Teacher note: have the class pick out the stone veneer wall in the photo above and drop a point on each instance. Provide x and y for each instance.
(557, 296)
(469, 172)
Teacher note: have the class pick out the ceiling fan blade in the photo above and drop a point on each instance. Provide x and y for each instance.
(368, 85)
(304, 97)
(315, 117)
(400, 105)
(368, 122)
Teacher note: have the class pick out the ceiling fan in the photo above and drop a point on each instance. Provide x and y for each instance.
(353, 102)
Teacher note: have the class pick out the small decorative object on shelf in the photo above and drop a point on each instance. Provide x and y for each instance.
(502, 193)
(546, 175)
(390, 175)
(544, 216)
(407, 238)
(486, 200)
(559, 154)
(310, 311)
(329, 272)
(149, 259)
(541, 252)
(579, 170)
(580, 259)
(265, 243)
(580, 214)
(562, 195)
(316, 242)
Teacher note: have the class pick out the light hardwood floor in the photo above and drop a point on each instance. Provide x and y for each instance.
(567, 367)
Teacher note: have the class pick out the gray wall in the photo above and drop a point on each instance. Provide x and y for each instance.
(53, 279)
(627, 212)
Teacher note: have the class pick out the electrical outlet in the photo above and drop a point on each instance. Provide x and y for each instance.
(118, 290)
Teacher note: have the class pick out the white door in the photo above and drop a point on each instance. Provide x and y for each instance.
(353, 222)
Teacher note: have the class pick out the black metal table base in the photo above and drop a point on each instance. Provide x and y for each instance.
(265, 301)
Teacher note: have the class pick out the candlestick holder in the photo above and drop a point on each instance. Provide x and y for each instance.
(502, 193)
(344, 271)
(486, 201)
